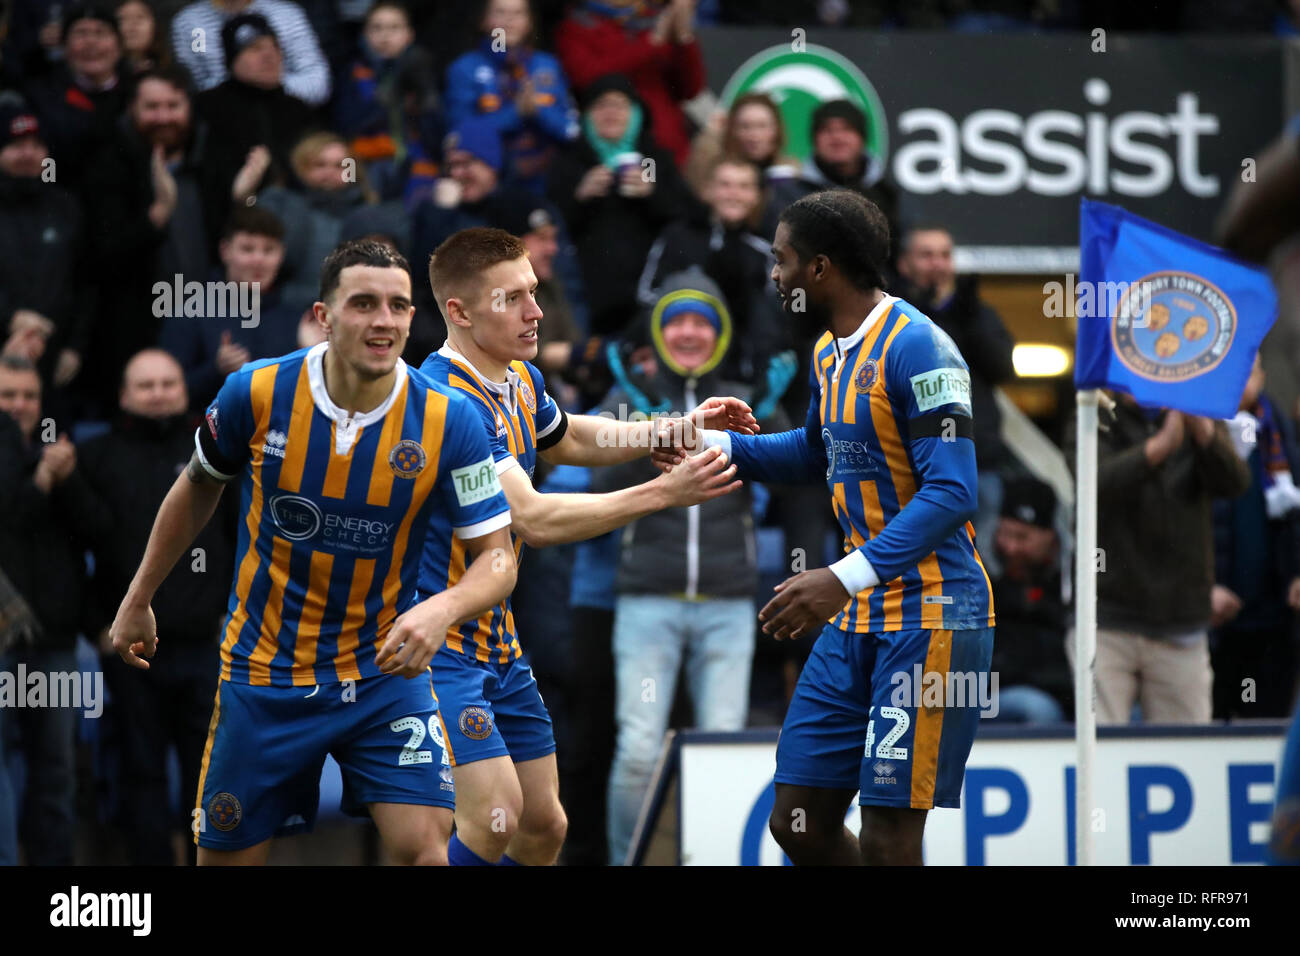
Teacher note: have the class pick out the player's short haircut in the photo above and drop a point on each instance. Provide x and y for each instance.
(17, 363)
(255, 221)
(457, 264)
(845, 227)
(357, 252)
(172, 74)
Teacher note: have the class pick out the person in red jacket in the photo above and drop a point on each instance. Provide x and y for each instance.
(651, 42)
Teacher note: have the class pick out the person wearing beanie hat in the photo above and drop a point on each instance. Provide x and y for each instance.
(479, 138)
(79, 103)
(241, 32)
(686, 579)
(840, 158)
(1034, 680)
(305, 72)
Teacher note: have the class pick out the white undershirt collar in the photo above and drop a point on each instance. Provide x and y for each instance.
(348, 425)
(882, 308)
(507, 391)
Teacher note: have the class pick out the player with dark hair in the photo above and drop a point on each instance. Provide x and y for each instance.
(889, 431)
(347, 461)
(499, 738)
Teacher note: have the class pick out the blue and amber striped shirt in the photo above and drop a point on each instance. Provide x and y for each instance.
(518, 418)
(889, 430)
(336, 512)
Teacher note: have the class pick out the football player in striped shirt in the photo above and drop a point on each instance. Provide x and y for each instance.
(886, 705)
(346, 460)
(499, 734)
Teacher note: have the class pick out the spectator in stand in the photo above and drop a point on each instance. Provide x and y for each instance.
(931, 283)
(1034, 682)
(1158, 473)
(49, 516)
(80, 101)
(469, 193)
(387, 107)
(560, 342)
(686, 577)
(254, 124)
(616, 192)
(520, 90)
(210, 347)
(754, 130)
(132, 467)
(143, 45)
(334, 194)
(45, 302)
(1257, 568)
(718, 238)
(840, 158)
(33, 41)
(306, 73)
(653, 44)
(144, 198)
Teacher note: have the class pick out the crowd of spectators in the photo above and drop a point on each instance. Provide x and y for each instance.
(148, 149)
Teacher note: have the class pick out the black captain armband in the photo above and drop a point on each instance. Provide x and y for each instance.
(555, 434)
(209, 462)
(947, 426)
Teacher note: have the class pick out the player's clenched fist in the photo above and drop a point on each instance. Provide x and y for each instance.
(134, 634)
(802, 604)
(702, 478)
(414, 638)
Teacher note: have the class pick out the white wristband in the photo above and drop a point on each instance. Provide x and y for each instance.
(855, 573)
(717, 439)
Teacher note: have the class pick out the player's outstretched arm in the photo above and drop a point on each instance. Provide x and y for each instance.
(594, 440)
(545, 519)
(417, 633)
(186, 509)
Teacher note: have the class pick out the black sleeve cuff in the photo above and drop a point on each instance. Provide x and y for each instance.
(555, 434)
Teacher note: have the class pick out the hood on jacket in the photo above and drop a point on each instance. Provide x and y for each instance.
(678, 293)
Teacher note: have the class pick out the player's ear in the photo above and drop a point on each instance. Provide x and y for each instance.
(322, 313)
(456, 313)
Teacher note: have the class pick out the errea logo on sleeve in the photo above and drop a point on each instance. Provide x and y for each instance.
(942, 386)
(476, 482)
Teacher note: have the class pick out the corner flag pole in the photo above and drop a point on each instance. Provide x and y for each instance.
(1085, 623)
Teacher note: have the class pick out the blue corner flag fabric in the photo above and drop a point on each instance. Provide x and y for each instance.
(1170, 320)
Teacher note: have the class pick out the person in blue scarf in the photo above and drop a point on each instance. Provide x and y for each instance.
(522, 91)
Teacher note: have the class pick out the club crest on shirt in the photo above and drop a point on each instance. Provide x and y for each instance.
(526, 393)
(866, 376)
(407, 458)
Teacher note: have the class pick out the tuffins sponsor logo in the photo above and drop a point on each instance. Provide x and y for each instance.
(476, 482)
(941, 386)
(1173, 326)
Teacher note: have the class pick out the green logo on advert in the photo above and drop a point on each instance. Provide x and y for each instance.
(800, 82)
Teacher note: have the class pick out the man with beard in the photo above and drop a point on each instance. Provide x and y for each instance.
(889, 431)
(144, 199)
(132, 467)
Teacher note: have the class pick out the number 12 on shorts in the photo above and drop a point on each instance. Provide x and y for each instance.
(886, 750)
